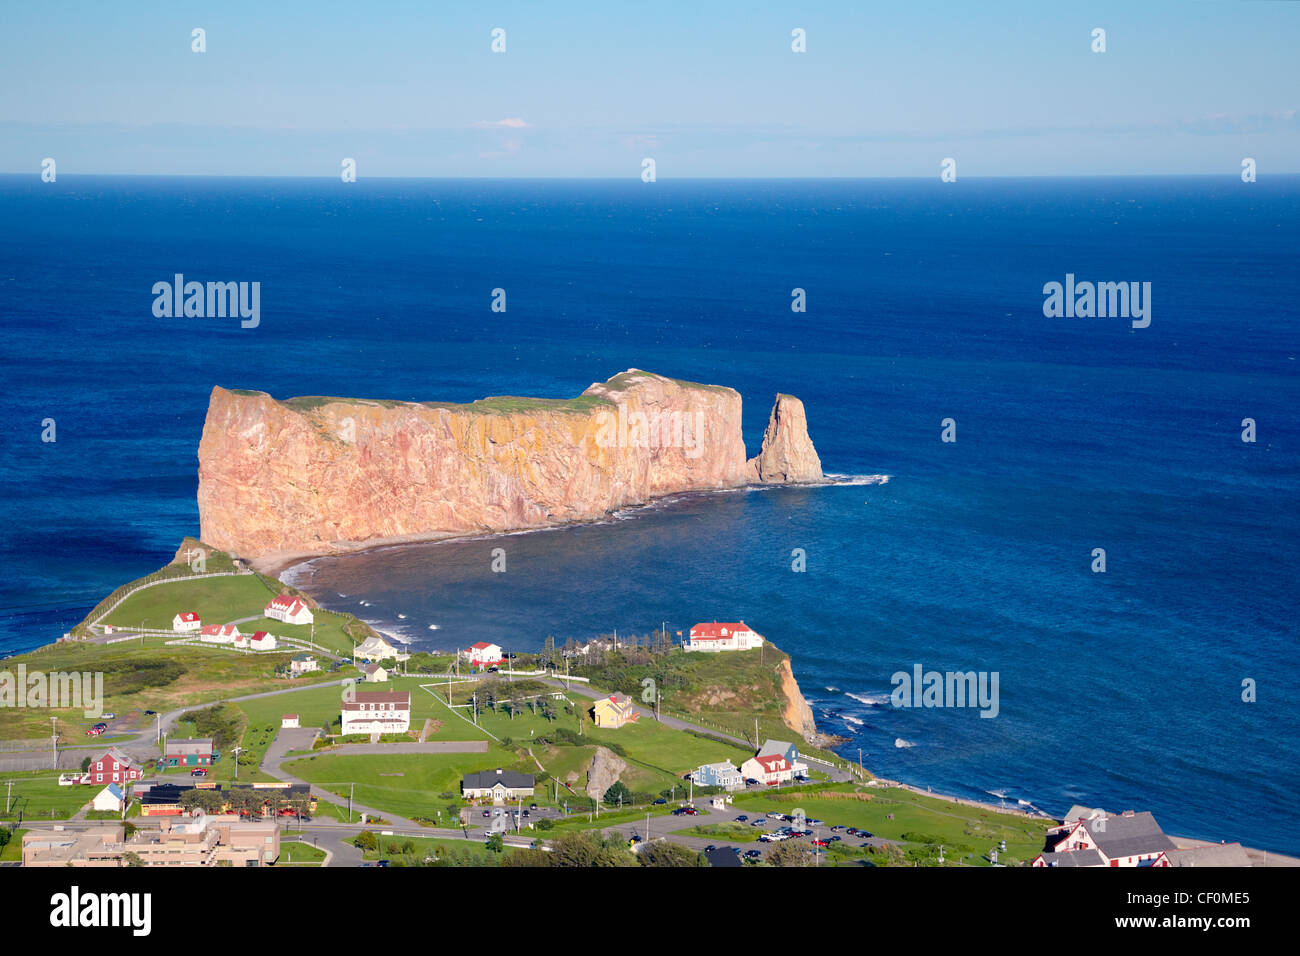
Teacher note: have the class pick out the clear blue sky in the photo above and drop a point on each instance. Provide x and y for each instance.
(706, 88)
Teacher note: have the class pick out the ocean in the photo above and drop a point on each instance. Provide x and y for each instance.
(924, 302)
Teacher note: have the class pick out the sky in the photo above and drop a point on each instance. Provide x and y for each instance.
(706, 89)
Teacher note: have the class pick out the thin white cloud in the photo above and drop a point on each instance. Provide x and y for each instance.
(513, 122)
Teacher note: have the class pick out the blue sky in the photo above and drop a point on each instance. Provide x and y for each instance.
(705, 88)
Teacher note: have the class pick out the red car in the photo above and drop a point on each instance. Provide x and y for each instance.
(198, 772)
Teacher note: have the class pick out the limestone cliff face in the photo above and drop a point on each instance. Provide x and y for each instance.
(321, 475)
(788, 454)
(798, 716)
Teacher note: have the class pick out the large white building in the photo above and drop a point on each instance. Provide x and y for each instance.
(1093, 837)
(722, 637)
(377, 712)
(186, 621)
(289, 609)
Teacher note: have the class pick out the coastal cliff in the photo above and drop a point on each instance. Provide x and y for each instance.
(312, 476)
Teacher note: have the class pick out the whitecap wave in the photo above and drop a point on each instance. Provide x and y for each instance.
(854, 721)
(433, 627)
(857, 479)
(833, 690)
(902, 744)
(870, 700)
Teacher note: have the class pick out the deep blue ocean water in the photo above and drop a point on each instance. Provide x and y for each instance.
(924, 302)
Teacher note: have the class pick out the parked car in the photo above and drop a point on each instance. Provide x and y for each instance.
(710, 848)
(151, 713)
(532, 806)
(660, 802)
(110, 716)
(486, 814)
(198, 772)
(753, 854)
(742, 818)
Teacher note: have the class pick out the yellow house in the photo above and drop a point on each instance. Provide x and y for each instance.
(613, 712)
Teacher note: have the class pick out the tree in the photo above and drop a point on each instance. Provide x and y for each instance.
(548, 710)
(618, 794)
(663, 853)
(791, 853)
(366, 840)
(132, 859)
(495, 843)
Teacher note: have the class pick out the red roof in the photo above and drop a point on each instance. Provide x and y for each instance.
(260, 635)
(480, 646)
(220, 629)
(773, 762)
(286, 602)
(188, 616)
(717, 632)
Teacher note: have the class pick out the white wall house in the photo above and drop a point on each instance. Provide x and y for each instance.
(483, 653)
(186, 621)
(290, 610)
(770, 769)
(377, 712)
(713, 637)
(219, 634)
(262, 641)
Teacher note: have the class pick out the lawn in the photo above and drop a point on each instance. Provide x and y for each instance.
(13, 850)
(731, 832)
(295, 853)
(966, 833)
(418, 791)
(422, 847)
(218, 600)
(36, 796)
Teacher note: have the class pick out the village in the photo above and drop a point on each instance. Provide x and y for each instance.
(344, 749)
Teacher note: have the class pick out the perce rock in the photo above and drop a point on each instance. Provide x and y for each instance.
(311, 476)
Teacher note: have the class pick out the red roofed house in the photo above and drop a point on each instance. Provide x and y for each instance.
(483, 653)
(771, 769)
(262, 641)
(290, 610)
(219, 634)
(113, 767)
(722, 637)
(186, 621)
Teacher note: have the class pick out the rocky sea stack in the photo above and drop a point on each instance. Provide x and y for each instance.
(308, 476)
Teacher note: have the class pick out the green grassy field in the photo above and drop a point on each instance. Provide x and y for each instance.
(295, 853)
(37, 796)
(218, 600)
(13, 850)
(966, 833)
(416, 793)
(476, 851)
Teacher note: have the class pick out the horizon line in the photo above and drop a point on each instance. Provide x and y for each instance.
(1234, 174)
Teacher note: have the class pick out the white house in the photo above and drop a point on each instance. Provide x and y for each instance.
(375, 674)
(500, 785)
(289, 722)
(1090, 837)
(303, 663)
(186, 621)
(483, 653)
(769, 769)
(289, 609)
(722, 637)
(109, 799)
(377, 712)
(724, 774)
(377, 649)
(219, 634)
(262, 641)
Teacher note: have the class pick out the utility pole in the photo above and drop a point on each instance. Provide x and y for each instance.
(8, 795)
(351, 788)
(235, 751)
(54, 739)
